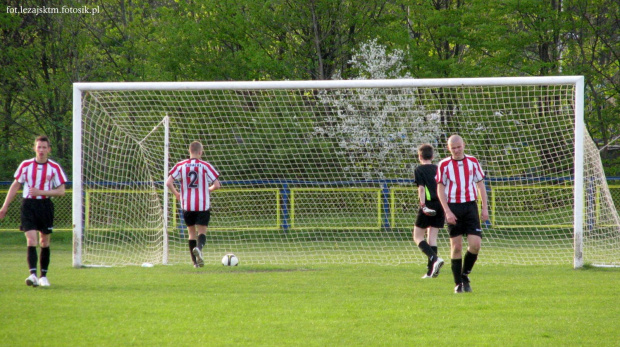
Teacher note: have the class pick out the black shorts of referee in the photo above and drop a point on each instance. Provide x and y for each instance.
(467, 219)
(192, 218)
(37, 214)
(437, 221)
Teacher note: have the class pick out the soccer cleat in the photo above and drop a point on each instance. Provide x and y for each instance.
(32, 280)
(466, 285)
(437, 264)
(44, 282)
(428, 211)
(459, 288)
(198, 254)
(426, 276)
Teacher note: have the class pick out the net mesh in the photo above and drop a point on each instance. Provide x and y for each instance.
(315, 176)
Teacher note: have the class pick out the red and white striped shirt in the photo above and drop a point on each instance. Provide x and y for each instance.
(195, 176)
(459, 178)
(45, 176)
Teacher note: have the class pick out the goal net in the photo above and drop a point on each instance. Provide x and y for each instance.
(322, 171)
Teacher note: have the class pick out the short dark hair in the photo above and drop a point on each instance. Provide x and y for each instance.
(426, 151)
(43, 138)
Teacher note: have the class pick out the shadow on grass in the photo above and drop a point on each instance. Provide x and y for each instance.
(590, 267)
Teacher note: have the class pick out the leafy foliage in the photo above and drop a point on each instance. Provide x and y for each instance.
(167, 40)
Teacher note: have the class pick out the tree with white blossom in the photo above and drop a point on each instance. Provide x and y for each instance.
(378, 130)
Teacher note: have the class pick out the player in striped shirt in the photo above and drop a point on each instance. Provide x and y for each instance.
(460, 179)
(198, 179)
(41, 178)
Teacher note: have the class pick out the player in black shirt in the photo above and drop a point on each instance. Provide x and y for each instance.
(430, 216)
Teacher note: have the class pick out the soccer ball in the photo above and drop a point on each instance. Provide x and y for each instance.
(230, 260)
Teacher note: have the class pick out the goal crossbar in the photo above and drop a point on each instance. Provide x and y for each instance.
(330, 84)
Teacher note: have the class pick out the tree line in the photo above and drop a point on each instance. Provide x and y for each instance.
(215, 40)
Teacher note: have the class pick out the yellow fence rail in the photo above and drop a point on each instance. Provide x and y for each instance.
(268, 209)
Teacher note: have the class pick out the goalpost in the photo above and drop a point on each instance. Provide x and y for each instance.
(322, 171)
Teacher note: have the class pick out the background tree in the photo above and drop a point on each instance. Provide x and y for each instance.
(593, 50)
(37, 71)
(168, 40)
(16, 57)
(373, 127)
(436, 47)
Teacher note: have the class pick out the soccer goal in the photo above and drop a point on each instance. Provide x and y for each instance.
(322, 171)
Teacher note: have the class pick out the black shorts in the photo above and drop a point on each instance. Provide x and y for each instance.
(196, 218)
(467, 219)
(437, 221)
(37, 214)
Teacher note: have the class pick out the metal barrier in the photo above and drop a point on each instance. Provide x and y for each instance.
(389, 204)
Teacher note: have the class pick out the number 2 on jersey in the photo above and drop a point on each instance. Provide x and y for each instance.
(193, 176)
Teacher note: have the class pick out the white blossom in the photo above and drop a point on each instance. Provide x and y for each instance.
(378, 130)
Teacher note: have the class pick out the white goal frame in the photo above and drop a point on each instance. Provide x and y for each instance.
(579, 131)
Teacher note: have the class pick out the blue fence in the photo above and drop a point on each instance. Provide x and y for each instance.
(286, 187)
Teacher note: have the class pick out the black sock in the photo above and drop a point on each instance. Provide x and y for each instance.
(32, 259)
(192, 245)
(430, 263)
(423, 245)
(457, 266)
(468, 262)
(45, 260)
(202, 239)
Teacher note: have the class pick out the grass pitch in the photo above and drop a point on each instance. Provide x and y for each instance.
(346, 305)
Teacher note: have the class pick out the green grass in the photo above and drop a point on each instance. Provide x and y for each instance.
(327, 305)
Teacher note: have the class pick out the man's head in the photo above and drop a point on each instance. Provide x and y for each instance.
(195, 149)
(42, 148)
(456, 146)
(425, 152)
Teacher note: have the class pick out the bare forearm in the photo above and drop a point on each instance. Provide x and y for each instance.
(216, 185)
(171, 187)
(11, 194)
(441, 194)
(9, 197)
(421, 195)
(58, 191)
(484, 215)
(483, 194)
